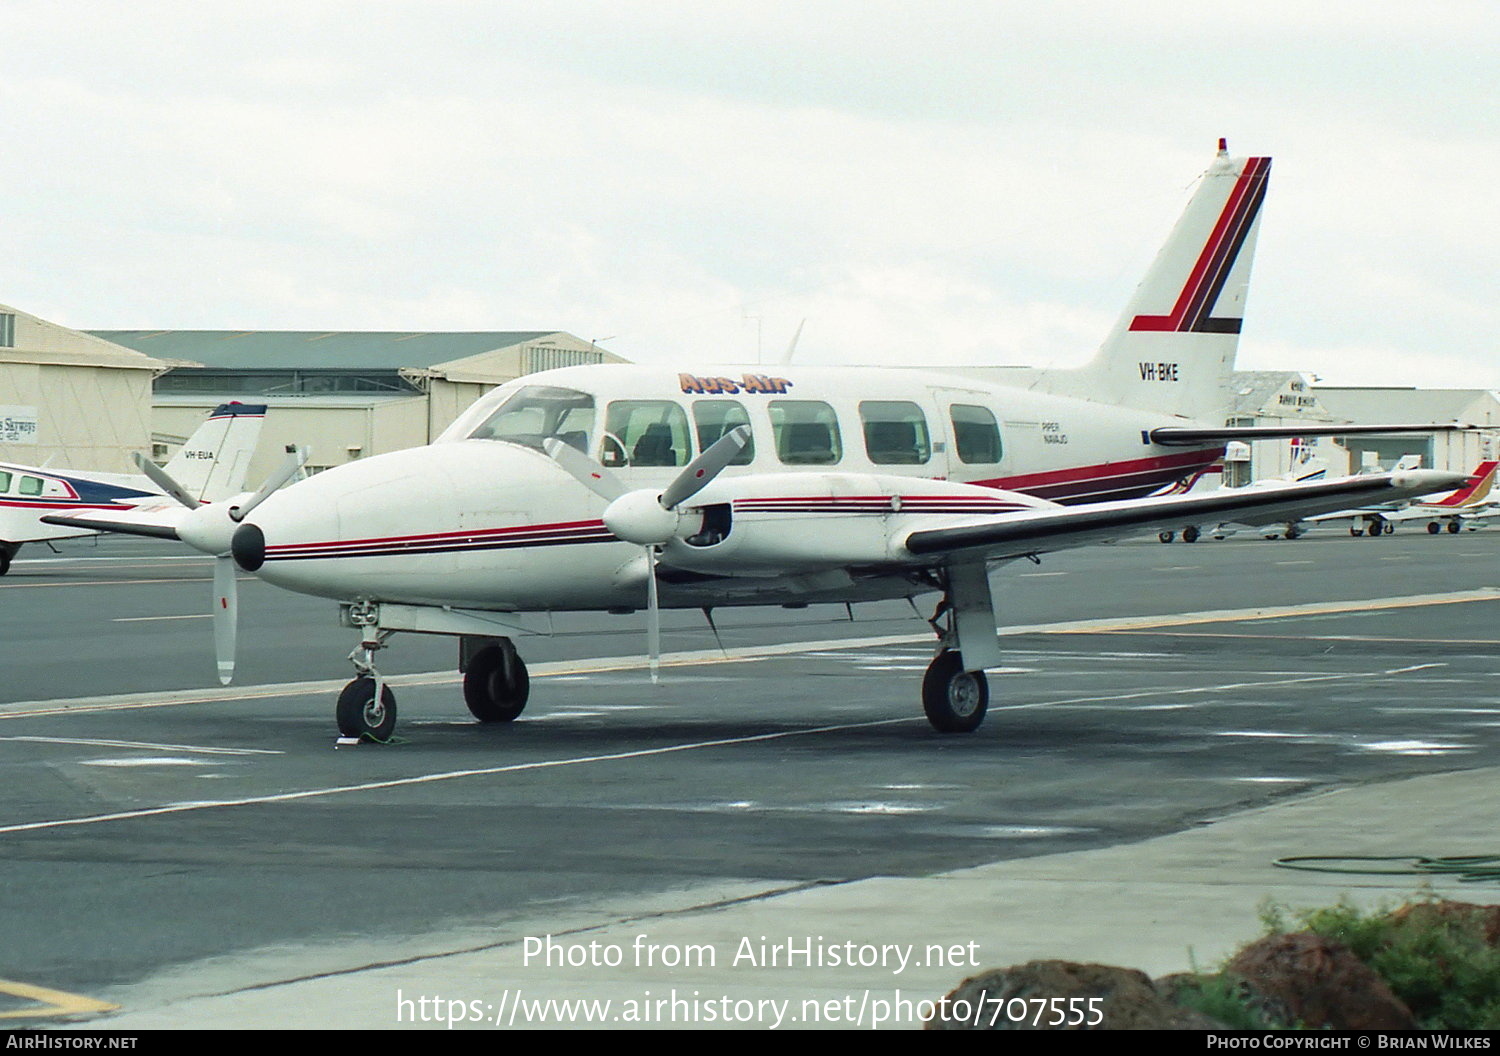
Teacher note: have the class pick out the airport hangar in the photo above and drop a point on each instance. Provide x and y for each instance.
(70, 399)
(345, 395)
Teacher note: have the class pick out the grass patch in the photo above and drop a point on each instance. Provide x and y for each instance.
(1433, 955)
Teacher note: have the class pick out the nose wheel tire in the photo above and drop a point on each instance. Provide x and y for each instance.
(361, 715)
(496, 685)
(955, 700)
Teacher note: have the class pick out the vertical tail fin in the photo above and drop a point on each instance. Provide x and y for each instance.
(1475, 490)
(213, 462)
(1173, 348)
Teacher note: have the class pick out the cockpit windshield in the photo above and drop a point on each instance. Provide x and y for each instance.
(539, 411)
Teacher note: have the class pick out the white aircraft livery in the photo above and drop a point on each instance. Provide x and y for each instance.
(634, 487)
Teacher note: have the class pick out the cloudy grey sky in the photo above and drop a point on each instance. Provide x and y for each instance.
(923, 182)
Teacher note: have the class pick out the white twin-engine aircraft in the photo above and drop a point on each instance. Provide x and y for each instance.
(627, 487)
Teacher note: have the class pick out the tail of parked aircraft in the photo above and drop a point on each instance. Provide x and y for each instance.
(213, 462)
(1475, 491)
(1173, 348)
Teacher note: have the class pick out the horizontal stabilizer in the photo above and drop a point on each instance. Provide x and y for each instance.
(1174, 435)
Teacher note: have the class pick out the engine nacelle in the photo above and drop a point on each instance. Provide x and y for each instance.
(779, 523)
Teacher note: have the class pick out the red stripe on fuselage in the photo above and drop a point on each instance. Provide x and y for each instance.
(478, 533)
(1078, 480)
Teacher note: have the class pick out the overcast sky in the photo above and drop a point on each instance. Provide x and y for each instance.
(923, 182)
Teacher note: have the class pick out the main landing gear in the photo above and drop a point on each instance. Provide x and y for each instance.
(953, 699)
(955, 693)
(496, 683)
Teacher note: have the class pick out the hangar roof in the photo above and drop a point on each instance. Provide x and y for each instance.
(316, 349)
(1372, 404)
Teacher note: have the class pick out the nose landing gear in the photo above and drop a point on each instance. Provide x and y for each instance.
(366, 708)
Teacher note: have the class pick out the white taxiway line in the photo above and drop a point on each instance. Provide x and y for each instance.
(427, 779)
(98, 743)
(148, 619)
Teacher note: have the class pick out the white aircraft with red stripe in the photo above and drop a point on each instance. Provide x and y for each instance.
(37, 503)
(633, 487)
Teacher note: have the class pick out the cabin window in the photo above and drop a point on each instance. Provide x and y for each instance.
(714, 418)
(806, 432)
(31, 485)
(538, 412)
(975, 433)
(4, 481)
(645, 433)
(895, 433)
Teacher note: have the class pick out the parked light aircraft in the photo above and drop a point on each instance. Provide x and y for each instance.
(578, 488)
(1308, 467)
(210, 465)
(1469, 505)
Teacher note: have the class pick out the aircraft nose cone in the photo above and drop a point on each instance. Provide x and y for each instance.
(248, 547)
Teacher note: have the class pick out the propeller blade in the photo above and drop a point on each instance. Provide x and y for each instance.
(653, 617)
(290, 467)
(701, 471)
(226, 616)
(584, 469)
(162, 480)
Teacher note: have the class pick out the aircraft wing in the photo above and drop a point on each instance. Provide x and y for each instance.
(1025, 532)
(158, 522)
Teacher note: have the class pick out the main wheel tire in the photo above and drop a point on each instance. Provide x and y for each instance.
(4, 561)
(1433, 527)
(1453, 527)
(1374, 529)
(955, 700)
(1190, 534)
(361, 715)
(1166, 537)
(496, 686)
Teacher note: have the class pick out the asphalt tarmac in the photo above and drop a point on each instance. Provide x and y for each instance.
(160, 839)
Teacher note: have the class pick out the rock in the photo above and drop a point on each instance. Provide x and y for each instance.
(1062, 995)
(1320, 983)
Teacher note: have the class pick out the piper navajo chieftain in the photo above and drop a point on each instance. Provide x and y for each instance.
(624, 487)
(210, 465)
